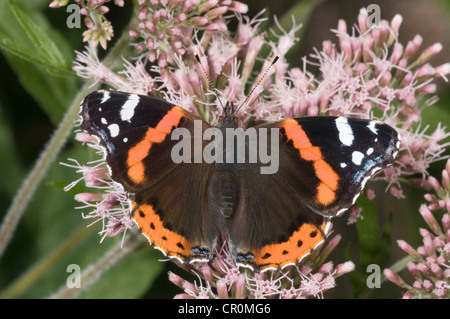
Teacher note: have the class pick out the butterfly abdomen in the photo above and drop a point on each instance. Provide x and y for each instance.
(223, 193)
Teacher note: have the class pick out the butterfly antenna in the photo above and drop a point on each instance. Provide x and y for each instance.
(257, 84)
(209, 79)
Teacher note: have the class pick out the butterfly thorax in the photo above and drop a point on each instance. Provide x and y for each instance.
(228, 119)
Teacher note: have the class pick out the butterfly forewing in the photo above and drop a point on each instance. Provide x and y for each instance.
(323, 165)
(167, 198)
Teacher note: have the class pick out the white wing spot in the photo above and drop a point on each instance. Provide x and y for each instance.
(372, 127)
(113, 130)
(125, 139)
(357, 157)
(103, 120)
(345, 131)
(369, 151)
(343, 165)
(106, 96)
(127, 111)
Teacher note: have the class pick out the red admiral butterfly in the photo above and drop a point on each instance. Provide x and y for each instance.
(271, 220)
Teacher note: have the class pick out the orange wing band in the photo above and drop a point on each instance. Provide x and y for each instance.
(326, 191)
(169, 242)
(300, 244)
(138, 152)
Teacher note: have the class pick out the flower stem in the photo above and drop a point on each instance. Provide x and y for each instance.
(94, 271)
(39, 170)
(26, 280)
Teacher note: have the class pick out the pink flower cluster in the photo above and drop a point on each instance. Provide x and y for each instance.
(223, 279)
(166, 28)
(430, 265)
(99, 30)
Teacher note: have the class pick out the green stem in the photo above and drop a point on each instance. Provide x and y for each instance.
(39, 170)
(18, 287)
(51, 150)
(94, 271)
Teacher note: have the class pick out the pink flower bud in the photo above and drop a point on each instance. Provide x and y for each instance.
(89, 22)
(344, 268)
(326, 268)
(394, 278)
(429, 219)
(187, 6)
(103, 9)
(161, 36)
(174, 31)
(429, 53)
(85, 138)
(408, 249)
(396, 22)
(417, 284)
(412, 47)
(162, 61)
(342, 27)
(88, 197)
(397, 53)
(142, 15)
(219, 11)
(150, 43)
(152, 56)
(199, 21)
(222, 289)
(140, 47)
(150, 26)
(133, 33)
(207, 5)
(237, 6)
(156, 16)
(362, 20)
(446, 180)
(180, 18)
(427, 285)
(446, 222)
(408, 295)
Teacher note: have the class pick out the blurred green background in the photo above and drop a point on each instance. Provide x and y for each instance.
(33, 102)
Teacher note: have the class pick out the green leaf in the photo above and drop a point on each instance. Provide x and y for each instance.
(22, 52)
(368, 231)
(33, 67)
(10, 164)
(52, 93)
(130, 278)
(44, 49)
(374, 244)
